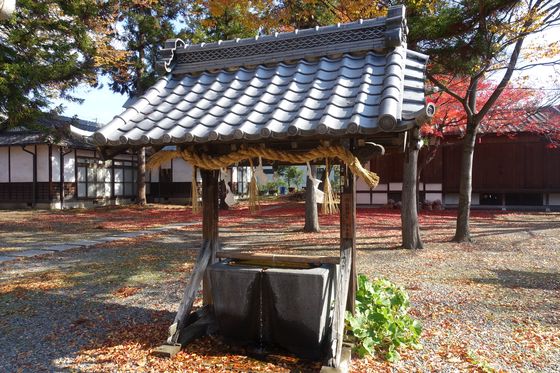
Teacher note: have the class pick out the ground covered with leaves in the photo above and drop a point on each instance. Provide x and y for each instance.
(493, 305)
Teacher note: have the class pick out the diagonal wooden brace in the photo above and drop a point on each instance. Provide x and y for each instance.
(193, 285)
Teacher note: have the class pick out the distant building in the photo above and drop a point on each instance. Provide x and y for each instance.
(172, 181)
(55, 166)
(515, 167)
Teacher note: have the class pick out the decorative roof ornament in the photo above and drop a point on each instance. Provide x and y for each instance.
(168, 53)
(363, 35)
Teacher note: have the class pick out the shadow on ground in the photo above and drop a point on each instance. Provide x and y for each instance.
(523, 279)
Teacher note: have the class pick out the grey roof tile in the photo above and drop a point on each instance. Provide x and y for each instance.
(366, 92)
(349, 93)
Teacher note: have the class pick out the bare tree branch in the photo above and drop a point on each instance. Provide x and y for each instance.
(444, 88)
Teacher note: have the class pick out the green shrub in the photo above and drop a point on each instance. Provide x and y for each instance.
(381, 323)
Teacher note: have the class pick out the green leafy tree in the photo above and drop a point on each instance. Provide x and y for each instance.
(292, 174)
(472, 41)
(139, 29)
(47, 48)
(130, 45)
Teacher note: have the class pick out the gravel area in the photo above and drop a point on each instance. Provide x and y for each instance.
(493, 305)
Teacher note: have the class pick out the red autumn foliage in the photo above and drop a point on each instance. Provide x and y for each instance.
(517, 110)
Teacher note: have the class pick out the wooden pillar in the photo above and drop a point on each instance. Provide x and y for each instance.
(348, 231)
(346, 279)
(210, 208)
(34, 184)
(34, 204)
(61, 170)
(50, 175)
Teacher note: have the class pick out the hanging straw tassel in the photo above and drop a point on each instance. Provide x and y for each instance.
(253, 190)
(329, 206)
(194, 193)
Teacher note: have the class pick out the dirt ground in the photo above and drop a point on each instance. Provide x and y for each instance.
(493, 305)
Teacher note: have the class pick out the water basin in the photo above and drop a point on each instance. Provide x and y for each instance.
(285, 307)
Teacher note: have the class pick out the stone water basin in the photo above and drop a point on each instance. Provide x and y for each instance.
(290, 308)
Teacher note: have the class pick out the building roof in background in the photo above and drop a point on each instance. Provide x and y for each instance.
(57, 130)
(343, 80)
(541, 121)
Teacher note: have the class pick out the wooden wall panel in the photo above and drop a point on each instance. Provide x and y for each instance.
(451, 154)
(533, 175)
(551, 169)
(431, 172)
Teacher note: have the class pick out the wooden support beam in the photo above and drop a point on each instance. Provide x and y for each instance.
(210, 208)
(272, 258)
(346, 281)
(206, 256)
(348, 230)
(337, 332)
(190, 292)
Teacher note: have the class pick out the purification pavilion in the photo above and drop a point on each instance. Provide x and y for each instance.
(334, 92)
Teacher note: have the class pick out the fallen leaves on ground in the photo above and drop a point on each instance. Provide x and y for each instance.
(126, 291)
(493, 305)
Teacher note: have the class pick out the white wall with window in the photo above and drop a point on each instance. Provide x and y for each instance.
(104, 179)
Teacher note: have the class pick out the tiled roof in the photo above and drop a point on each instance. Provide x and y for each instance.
(377, 85)
(50, 130)
(542, 121)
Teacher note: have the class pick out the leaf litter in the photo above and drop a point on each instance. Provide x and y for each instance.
(493, 305)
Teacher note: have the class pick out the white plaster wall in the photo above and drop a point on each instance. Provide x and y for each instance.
(249, 174)
(42, 163)
(363, 199)
(361, 184)
(119, 177)
(4, 171)
(451, 199)
(380, 187)
(379, 198)
(69, 168)
(182, 171)
(395, 186)
(154, 175)
(433, 197)
(554, 199)
(21, 165)
(104, 174)
(434, 186)
(475, 199)
(55, 160)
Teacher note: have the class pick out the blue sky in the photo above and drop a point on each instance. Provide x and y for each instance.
(100, 105)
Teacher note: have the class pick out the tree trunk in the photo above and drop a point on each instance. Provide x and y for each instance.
(409, 212)
(141, 177)
(311, 213)
(462, 231)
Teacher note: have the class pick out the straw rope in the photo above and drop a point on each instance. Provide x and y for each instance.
(329, 206)
(195, 206)
(215, 163)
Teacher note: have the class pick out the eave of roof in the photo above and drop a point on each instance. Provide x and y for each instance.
(356, 88)
(57, 130)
